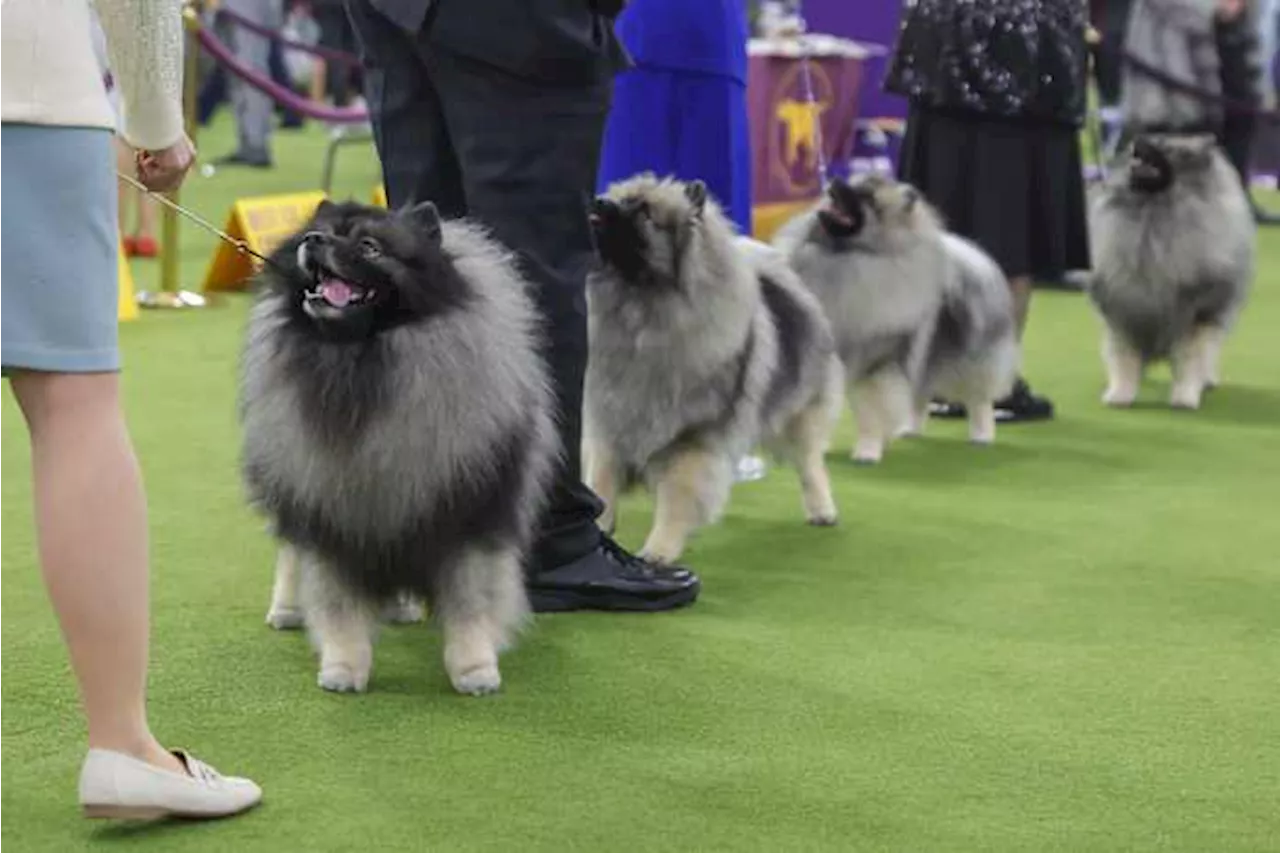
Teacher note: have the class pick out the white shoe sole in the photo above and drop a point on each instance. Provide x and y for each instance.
(111, 812)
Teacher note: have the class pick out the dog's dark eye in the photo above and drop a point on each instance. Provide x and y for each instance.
(369, 247)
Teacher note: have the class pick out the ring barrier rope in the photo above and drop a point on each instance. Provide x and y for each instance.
(280, 94)
(329, 53)
(1168, 81)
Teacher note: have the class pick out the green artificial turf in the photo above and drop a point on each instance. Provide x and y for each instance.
(1065, 642)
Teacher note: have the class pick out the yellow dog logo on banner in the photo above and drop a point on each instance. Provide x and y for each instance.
(800, 120)
(796, 122)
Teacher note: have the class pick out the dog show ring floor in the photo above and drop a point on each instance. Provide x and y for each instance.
(1069, 641)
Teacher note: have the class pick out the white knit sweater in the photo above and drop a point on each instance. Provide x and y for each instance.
(49, 75)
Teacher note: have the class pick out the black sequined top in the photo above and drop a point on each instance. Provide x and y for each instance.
(1010, 58)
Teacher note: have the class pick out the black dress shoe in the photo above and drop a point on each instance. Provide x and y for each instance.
(1021, 405)
(610, 578)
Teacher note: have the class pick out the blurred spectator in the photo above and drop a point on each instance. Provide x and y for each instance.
(1212, 46)
(997, 91)
(682, 109)
(254, 109)
(334, 81)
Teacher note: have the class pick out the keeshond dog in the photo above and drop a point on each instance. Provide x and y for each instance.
(702, 345)
(916, 311)
(398, 432)
(1173, 258)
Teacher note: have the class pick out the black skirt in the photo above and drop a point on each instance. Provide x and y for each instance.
(1014, 187)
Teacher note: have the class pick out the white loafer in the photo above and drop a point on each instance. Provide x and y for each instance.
(115, 785)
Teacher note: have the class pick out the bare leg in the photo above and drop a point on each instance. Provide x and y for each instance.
(319, 81)
(482, 606)
(808, 437)
(91, 524)
(286, 609)
(1124, 371)
(690, 491)
(342, 628)
(603, 477)
(146, 226)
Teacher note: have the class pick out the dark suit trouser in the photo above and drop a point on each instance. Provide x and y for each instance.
(520, 157)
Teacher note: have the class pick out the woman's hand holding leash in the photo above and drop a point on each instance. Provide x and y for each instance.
(163, 170)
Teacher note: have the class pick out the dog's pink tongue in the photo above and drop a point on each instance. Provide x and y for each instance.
(337, 293)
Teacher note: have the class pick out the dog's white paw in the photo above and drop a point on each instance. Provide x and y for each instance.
(403, 612)
(911, 430)
(342, 678)
(1119, 396)
(867, 457)
(478, 681)
(983, 435)
(823, 520)
(285, 618)
(1185, 398)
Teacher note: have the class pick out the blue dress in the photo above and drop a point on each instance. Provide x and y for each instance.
(682, 110)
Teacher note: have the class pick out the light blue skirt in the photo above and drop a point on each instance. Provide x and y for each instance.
(58, 285)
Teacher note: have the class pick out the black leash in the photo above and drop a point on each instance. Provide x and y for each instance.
(240, 245)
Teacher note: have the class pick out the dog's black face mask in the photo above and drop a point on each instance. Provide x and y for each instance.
(620, 235)
(356, 270)
(845, 213)
(1149, 168)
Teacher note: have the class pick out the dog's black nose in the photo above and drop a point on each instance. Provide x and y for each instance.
(311, 238)
(1145, 149)
(600, 208)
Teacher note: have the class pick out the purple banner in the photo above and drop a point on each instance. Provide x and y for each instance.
(783, 121)
(872, 22)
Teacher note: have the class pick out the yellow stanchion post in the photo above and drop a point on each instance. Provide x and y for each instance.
(171, 295)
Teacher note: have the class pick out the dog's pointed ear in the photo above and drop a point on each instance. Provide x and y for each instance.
(325, 208)
(696, 192)
(425, 217)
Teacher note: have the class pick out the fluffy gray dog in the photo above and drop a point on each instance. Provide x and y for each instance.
(398, 433)
(916, 311)
(1173, 258)
(702, 345)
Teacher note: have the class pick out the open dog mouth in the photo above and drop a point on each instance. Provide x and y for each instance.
(1147, 176)
(837, 218)
(331, 295)
(1144, 169)
(836, 214)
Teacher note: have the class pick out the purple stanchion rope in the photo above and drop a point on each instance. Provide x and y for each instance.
(329, 53)
(280, 94)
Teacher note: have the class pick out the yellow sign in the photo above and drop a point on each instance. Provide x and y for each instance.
(380, 195)
(766, 219)
(262, 223)
(126, 303)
